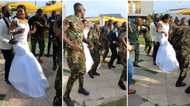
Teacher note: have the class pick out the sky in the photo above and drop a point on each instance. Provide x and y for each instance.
(163, 6)
(97, 7)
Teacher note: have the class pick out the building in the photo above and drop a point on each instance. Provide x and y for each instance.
(140, 8)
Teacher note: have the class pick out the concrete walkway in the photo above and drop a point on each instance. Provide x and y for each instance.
(103, 89)
(9, 96)
(157, 88)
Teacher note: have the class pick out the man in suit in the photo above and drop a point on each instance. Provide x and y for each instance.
(113, 38)
(5, 36)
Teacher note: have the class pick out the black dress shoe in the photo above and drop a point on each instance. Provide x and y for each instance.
(121, 85)
(187, 91)
(180, 84)
(90, 74)
(68, 101)
(96, 73)
(83, 91)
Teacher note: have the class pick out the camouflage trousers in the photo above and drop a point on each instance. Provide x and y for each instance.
(77, 72)
(123, 76)
(96, 59)
(184, 64)
(137, 52)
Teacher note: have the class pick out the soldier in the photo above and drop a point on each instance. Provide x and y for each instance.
(123, 54)
(73, 37)
(133, 38)
(181, 39)
(40, 23)
(95, 46)
(122, 29)
(104, 40)
(57, 28)
(147, 36)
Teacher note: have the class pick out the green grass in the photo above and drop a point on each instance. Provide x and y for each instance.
(120, 102)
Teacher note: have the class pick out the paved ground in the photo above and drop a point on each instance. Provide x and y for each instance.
(103, 89)
(156, 88)
(9, 96)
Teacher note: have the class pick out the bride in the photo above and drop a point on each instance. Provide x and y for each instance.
(26, 74)
(166, 56)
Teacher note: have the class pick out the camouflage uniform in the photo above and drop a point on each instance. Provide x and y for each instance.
(104, 41)
(93, 38)
(181, 44)
(133, 39)
(75, 59)
(123, 54)
(148, 40)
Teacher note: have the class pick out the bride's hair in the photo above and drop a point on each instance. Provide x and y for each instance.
(166, 16)
(24, 8)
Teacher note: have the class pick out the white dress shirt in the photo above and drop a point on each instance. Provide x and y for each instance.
(155, 35)
(4, 36)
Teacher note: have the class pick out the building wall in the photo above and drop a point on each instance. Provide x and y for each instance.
(147, 7)
(140, 8)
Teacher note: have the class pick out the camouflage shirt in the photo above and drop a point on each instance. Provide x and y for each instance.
(94, 39)
(122, 46)
(75, 34)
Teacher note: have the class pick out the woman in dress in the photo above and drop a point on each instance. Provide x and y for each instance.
(166, 56)
(26, 74)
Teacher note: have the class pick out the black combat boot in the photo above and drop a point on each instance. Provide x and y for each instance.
(180, 84)
(83, 91)
(81, 84)
(90, 74)
(187, 91)
(96, 73)
(121, 85)
(68, 101)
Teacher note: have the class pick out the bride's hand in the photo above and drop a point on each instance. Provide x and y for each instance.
(165, 34)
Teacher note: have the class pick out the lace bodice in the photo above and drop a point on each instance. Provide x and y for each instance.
(22, 37)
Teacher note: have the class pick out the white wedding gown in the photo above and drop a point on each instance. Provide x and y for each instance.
(26, 74)
(89, 61)
(166, 56)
